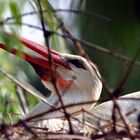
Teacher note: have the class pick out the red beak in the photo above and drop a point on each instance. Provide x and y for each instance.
(41, 64)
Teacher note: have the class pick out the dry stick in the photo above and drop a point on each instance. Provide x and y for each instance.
(27, 128)
(114, 117)
(62, 10)
(80, 50)
(4, 129)
(116, 124)
(22, 100)
(84, 13)
(83, 117)
(64, 92)
(115, 94)
(6, 103)
(119, 119)
(124, 119)
(91, 123)
(66, 136)
(126, 76)
(96, 116)
(50, 7)
(10, 118)
(129, 98)
(117, 108)
(46, 36)
(32, 5)
(112, 135)
(39, 128)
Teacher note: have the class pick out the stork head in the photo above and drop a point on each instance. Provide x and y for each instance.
(76, 78)
(79, 82)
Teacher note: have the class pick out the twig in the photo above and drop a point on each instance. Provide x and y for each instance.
(83, 12)
(3, 129)
(22, 100)
(6, 104)
(114, 117)
(46, 36)
(125, 121)
(119, 87)
(27, 128)
(66, 136)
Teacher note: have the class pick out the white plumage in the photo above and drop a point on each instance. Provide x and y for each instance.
(84, 85)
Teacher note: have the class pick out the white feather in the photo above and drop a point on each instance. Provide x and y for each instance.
(85, 87)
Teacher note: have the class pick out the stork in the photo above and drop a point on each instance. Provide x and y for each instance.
(77, 80)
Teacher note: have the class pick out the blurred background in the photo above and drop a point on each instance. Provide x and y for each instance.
(112, 24)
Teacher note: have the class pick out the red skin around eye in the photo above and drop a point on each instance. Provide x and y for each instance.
(63, 84)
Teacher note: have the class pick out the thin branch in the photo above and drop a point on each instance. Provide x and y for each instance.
(22, 100)
(66, 136)
(28, 128)
(126, 76)
(125, 121)
(46, 36)
(81, 12)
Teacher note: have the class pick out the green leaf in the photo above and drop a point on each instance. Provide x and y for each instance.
(26, 86)
(15, 11)
(53, 22)
(10, 41)
(2, 9)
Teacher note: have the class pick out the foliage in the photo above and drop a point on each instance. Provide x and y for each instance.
(109, 26)
(119, 34)
(15, 66)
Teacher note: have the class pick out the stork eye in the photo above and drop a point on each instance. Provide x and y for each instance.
(77, 63)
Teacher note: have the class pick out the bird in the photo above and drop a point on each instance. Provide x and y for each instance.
(72, 80)
(128, 104)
